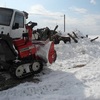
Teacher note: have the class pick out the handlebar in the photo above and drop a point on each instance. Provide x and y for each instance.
(31, 24)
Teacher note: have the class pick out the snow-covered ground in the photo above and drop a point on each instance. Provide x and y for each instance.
(74, 76)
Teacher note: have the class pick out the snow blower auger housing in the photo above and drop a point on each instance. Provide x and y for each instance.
(23, 56)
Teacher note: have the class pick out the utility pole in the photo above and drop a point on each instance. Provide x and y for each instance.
(64, 22)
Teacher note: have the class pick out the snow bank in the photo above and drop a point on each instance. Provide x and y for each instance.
(66, 79)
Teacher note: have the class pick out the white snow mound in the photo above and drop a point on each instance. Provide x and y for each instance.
(74, 76)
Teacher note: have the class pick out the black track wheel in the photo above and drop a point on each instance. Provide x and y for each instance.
(36, 66)
(17, 71)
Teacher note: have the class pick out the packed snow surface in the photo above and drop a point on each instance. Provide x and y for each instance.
(74, 76)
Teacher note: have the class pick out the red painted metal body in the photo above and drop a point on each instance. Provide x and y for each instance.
(51, 53)
(25, 46)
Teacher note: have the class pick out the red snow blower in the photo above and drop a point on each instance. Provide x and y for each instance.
(24, 56)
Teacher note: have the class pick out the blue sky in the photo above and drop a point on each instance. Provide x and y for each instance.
(83, 15)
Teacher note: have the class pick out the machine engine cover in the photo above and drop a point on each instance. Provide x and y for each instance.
(24, 48)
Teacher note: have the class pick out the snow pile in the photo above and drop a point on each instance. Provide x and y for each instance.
(74, 76)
